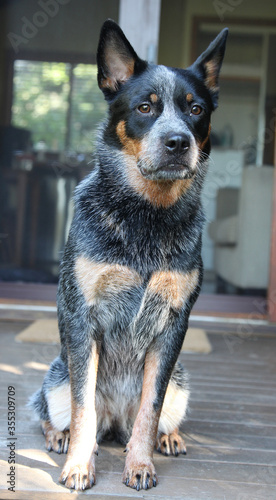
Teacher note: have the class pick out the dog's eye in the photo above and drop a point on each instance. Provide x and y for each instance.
(144, 108)
(196, 109)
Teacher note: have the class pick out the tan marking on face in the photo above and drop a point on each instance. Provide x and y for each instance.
(159, 193)
(174, 287)
(131, 147)
(153, 98)
(101, 280)
(189, 98)
(203, 143)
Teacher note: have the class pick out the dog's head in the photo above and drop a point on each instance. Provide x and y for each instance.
(159, 116)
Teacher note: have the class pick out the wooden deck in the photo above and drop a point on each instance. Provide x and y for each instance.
(230, 432)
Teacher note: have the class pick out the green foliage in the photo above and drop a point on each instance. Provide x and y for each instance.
(88, 107)
(41, 100)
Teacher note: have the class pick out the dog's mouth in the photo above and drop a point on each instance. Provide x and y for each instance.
(171, 171)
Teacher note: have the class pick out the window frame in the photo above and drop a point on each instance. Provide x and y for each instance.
(38, 56)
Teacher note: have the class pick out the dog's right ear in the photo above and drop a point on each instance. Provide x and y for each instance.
(117, 60)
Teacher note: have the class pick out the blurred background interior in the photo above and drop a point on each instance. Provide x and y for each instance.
(50, 108)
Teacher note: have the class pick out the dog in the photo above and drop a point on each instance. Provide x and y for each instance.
(132, 267)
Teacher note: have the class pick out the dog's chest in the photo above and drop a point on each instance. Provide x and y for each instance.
(123, 299)
(107, 285)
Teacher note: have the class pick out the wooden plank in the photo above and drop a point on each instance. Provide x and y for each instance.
(236, 430)
(236, 417)
(169, 467)
(31, 452)
(231, 398)
(219, 435)
(242, 387)
(198, 378)
(195, 414)
(221, 407)
(36, 481)
(228, 454)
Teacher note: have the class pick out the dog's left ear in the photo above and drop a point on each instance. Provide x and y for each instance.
(208, 64)
(116, 58)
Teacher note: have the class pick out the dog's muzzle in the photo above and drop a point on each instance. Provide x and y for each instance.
(172, 160)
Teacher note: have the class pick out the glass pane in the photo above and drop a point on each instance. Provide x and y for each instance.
(40, 102)
(56, 111)
(88, 107)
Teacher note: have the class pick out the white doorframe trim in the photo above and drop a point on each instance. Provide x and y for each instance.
(140, 21)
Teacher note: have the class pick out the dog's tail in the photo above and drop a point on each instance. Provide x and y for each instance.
(37, 402)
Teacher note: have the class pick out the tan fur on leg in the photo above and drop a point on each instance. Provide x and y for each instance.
(79, 469)
(139, 470)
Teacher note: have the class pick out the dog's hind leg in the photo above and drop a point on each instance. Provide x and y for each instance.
(171, 444)
(55, 440)
(56, 429)
(169, 441)
(52, 404)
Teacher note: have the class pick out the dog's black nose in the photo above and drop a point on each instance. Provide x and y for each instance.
(177, 143)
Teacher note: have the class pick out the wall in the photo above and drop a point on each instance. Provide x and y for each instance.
(247, 9)
(73, 25)
(171, 32)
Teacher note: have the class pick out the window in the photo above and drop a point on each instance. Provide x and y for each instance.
(60, 103)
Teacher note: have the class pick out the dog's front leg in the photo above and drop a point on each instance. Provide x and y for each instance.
(79, 469)
(139, 470)
(164, 317)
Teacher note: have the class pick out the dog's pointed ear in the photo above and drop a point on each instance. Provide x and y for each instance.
(208, 64)
(117, 60)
